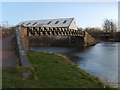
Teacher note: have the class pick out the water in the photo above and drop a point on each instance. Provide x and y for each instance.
(100, 60)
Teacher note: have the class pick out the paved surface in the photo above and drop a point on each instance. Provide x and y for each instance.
(8, 57)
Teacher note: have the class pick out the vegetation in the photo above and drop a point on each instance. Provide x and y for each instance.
(108, 33)
(94, 32)
(50, 71)
(109, 26)
(7, 31)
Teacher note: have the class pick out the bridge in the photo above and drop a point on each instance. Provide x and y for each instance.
(77, 36)
(23, 31)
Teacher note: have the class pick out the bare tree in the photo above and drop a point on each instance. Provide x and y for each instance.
(109, 26)
(113, 27)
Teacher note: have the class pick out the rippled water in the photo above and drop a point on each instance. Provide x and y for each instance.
(100, 60)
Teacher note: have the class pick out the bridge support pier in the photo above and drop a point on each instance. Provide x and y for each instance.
(88, 40)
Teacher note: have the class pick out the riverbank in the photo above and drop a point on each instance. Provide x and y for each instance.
(50, 71)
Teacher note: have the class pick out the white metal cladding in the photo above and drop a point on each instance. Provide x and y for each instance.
(62, 22)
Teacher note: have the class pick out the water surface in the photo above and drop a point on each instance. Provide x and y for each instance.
(100, 60)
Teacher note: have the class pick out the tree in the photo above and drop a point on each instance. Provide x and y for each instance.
(109, 26)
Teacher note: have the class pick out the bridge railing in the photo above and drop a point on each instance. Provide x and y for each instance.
(32, 31)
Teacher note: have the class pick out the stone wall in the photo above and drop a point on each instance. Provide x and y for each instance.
(88, 39)
(24, 38)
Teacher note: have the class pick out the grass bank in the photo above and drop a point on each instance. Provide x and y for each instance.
(50, 71)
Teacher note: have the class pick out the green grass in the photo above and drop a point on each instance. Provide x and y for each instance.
(52, 71)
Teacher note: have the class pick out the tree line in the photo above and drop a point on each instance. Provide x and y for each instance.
(109, 31)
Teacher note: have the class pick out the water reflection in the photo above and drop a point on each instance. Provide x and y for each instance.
(100, 60)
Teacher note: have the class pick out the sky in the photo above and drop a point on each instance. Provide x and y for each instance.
(86, 14)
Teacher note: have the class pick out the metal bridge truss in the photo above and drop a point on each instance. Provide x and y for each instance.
(32, 31)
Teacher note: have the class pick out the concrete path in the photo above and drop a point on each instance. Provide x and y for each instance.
(8, 57)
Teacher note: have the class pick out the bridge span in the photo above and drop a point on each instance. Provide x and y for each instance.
(76, 37)
(23, 33)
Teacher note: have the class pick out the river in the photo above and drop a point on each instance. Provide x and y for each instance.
(100, 60)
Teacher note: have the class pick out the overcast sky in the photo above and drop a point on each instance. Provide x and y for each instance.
(87, 14)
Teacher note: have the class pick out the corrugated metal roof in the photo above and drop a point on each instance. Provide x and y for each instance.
(62, 22)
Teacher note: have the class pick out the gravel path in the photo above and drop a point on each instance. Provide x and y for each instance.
(8, 57)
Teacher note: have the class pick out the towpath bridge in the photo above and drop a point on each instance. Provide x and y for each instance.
(22, 34)
(24, 30)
